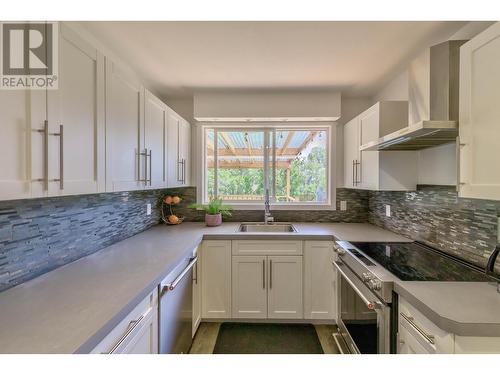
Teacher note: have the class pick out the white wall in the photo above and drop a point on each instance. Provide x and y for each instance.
(437, 165)
(264, 105)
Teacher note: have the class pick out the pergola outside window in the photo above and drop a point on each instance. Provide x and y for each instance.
(293, 162)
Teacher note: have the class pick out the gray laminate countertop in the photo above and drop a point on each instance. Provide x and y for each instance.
(72, 308)
(462, 308)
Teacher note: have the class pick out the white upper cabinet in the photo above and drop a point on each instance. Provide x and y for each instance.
(125, 157)
(479, 130)
(76, 113)
(178, 150)
(37, 159)
(351, 152)
(22, 149)
(155, 137)
(378, 170)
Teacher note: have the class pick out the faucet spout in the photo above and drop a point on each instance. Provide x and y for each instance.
(267, 209)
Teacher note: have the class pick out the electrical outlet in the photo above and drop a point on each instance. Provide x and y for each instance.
(148, 209)
(343, 205)
(388, 210)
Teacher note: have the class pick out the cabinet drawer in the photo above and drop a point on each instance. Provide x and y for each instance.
(256, 247)
(421, 328)
(125, 332)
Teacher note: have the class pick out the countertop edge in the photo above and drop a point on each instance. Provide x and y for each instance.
(97, 337)
(447, 324)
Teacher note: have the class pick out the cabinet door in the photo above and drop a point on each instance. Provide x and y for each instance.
(285, 287)
(137, 333)
(124, 124)
(249, 287)
(319, 280)
(77, 108)
(154, 138)
(408, 344)
(479, 114)
(368, 169)
(197, 291)
(174, 167)
(143, 340)
(184, 150)
(351, 152)
(216, 279)
(21, 145)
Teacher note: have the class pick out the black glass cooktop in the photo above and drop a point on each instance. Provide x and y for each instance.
(415, 262)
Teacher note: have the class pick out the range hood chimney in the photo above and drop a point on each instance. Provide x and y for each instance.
(433, 90)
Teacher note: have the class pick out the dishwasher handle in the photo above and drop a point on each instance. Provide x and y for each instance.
(171, 286)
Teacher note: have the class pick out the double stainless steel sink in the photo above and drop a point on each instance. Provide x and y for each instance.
(267, 228)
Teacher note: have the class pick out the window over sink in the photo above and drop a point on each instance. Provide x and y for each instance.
(293, 161)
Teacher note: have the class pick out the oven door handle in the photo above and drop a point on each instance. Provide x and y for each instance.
(369, 304)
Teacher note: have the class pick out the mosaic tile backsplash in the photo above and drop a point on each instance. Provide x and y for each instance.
(38, 235)
(466, 228)
(357, 202)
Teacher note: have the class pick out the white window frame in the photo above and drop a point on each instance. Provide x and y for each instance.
(330, 130)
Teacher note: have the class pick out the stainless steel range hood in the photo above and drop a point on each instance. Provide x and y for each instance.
(433, 81)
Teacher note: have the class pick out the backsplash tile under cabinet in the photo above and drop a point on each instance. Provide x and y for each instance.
(435, 215)
(38, 235)
(357, 212)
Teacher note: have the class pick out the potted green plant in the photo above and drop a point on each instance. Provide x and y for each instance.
(214, 211)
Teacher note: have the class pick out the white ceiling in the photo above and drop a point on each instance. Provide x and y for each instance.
(178, 58)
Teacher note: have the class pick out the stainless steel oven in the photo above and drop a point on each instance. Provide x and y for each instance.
(363, 317)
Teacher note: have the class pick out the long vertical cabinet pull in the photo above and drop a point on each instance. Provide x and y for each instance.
(353, 167)
(358, 175)
(46, 135)
(146, 155)
(263, 274)
(150, 166)
(183, 171)
(45, 178)
(61, 156)
(270, 274)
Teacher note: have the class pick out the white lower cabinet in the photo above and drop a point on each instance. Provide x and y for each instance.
(197, 291)
(216, 279)
(284, 296)
(417, 334)
(319, 280)
(137, 333)
(249, 287)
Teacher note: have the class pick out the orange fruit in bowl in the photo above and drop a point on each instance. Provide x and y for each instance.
(172, 219)
(167, 199)
(176, 200)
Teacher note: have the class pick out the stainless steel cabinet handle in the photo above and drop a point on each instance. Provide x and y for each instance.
(353, 173)
(195, 277)
(411, 321)
(178, 279)
(358, 172)
(179, 170)
(45, 178)
(150, 165)
(130, 329)
(337, 342)
(61, 156)
(369, 304)
(145, 154)
(270, 274)
(263, 274)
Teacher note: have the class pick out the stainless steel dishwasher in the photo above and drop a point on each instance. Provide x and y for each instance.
(176, 309)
